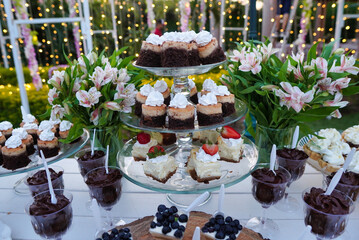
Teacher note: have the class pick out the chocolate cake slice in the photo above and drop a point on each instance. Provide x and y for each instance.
(174, 54)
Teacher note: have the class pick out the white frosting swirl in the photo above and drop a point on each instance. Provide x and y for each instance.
(155, 99)
(340, 147)
(5, 125)
(330, 133)
(47, 135)
(352, 135)
(209, 85)
(191, 84)
(46, 124)
(179, 101)
(204, 157)
(208, 99)
(203, 38)
(221, 91)
(154, 39)
(146, 89)
(29, 118)
(231, 142)
(56, 121)
(20, 132)
(29, 126)
(65, 125)
(354, 165)
(334, 158)
(158, 159)
(171, 36)
(13, 142)
(319, 145)
(161, 86)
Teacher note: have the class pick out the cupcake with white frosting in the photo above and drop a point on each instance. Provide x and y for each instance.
(141, 97)
(14, 153)
(31, 128)
(180, 113)
(209, 49)
(6, 128)
(29, 118)
(193, 93)
(154, 110)
(2, 139)
(208, 86)
(162, 87)
(209, 111)
(26, 139)
(226, 99)
(46, 125)
(48, 143)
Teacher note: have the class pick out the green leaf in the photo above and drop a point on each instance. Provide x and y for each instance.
(248, 90)
(314, 114)
(327, 50)
(75, 132)
(283, 72)
(350, 91)
(45, 115)
(249, 124)
(312, 53)
(262, 93)
(125, 62)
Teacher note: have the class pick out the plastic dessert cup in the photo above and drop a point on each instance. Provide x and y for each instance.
(267, 194)
(325, 225)
(351, 190)
(53, 225)
(57, 183)
(97, 161)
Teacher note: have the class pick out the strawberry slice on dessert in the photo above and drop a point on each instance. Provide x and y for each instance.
(229, 132)
(210, 149)
(143, 138)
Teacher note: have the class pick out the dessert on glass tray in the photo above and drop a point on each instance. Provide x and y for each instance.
(330, 152)
(208, 86)
(209, 111)
(26, 139)
(150, 53)
(48, 143)
(141, 97)
(348, 183)
(193, 94)
(142, 146)
(203, 165)
(164, 139)
(230, 145)
(180, 113)
(159, 165)
(206, 136)
(31, 128)
(6, 128)
(2, 139)
(162, 87)
(14, 154)
(29, 119)
(154, 110)
(45, 125)
(64, 129)
(351, 136)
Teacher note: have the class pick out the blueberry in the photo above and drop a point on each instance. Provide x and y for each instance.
(233, 224)
(178, 233)
(170, 211)
(105, 236)
(211, 229)
(114, 231)
(219, 217)
(208, 225)
(171, 218)
(228, 219)
(129, 235)
(160, 218)
(228, 229)
(183, 218)
(159, 224)
(98, 239)
(166, 213)
(153, 225)
(112, 235)
(121, 234)
(182, 228)
(174, 225)
(166, 229)
(220, 235)
(174, 209)
(240, 227)
(217, 227)
(126, 230)
(236, 222)
(165, 223)
(232, 236)
(205, 229)
(220, 221)
(212, 221)
(161, 208)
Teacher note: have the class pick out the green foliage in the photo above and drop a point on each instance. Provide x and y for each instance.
(8, 76)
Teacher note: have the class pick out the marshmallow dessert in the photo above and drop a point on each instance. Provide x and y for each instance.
(351, 136)
(150, 53)
(29, 119)
(31, 128)
(209, 111)
(2, 139)
(46, 125)
(26, 139)
(164, 139)
(193, 94)
(6, 128)
(154, 110)
(64, 128)
(203, 165)
(180, 113)
(226, 99)
(161, 86)
(209, 49)
(230, 145)
(159, 165)
(14, 154)
(48, 143)
(141, 97)
(142, 146)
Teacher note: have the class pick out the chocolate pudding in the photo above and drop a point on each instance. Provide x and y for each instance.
(105, 188)
(87, 162)
(293, 160)
(38, 182)
(50, 220)
(348, 184)
(268, 188)
(327, 214)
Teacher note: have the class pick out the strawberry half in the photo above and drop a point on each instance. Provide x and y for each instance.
(210, 149)
(156, 151)
(143, 138)
(228, 132)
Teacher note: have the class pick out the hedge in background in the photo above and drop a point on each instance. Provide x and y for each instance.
(8, 75)
(10, 102)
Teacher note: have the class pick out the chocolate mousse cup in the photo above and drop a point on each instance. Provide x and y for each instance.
(327, 214)
(348, 184)
(293, 160)
(37, 180)
(51, 221)
(87, 162)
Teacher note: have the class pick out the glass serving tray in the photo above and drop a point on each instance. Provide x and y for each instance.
(66, 150)
(132, 120)
(181, 182)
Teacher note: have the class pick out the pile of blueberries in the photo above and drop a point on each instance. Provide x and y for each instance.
(169, 219)
(115, 234)
(223, 227)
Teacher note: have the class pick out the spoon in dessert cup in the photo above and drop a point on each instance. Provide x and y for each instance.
(349, 159)
(93, 143)
(197, 234)
(307, 229)
(295, 137)
(200, 199)
(106, 162)
(273, 157)
(48, 175)
(220, 201)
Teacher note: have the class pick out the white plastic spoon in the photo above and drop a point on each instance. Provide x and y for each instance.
(196, 202)
(197, 234)
(349, 159)
(273, 156)
(295, 137)
(52, 193)
(106, 162)
(93, 142)
(334, 181)
(220, 201)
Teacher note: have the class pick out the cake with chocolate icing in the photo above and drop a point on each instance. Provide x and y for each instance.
(193, 94)
(150, 53)
(142, 146)
(209, 111)
(141, 97)
(351, 136)
(180, 113)
(48, 144)
(230, 145)
(64, 129)
(31, 128)
(28, 118)
(6, 128)
(162, 87)
(154, 110)
(209, 49)
(14, 154)
(226, 99)
(26, 139)
(2, 139)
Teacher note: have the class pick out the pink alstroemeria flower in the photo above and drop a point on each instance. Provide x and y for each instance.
(88, 99)
(323, 84)
(57, 79)
(121, 76)
(322, 66)
(128, 95)
(338, 85)
(296, 71)
(237, 55)
(101, 77)
(251, 62)
(293, 97)
(299, 57)
(346, 65)
(268, 51)
(114, 106)
(95, 116)
(57, 112)
(52, 95)
(336, 102)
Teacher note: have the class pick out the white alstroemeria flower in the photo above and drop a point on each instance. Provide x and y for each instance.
(346, 65)
(268, 51)
(52, 95)
(128, 95)
(299, 57)
(57, 79)
(251, 62)
(337, 102)
(57, 112)
(95, 116)
(88, 99)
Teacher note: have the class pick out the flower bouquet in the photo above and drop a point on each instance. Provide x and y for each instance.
(91, 92)
(282, 95)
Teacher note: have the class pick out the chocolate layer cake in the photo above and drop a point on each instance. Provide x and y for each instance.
(209, 49)
(6, 128)
(14, 154)
(141, 97)
(193, 54)
(227, 99)
(180, 113)
(174, 54)
(154, 110)
(162, 87)
(150, 53)
(31, 128)
(48, 144)
(2, 139)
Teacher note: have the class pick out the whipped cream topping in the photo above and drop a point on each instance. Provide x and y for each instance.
(352, 135)
(13, 142)
(47, 135)
(208, 99)
(29, 126)
(319, 145)
(155, 99)
(179, 101)
(179, 36)
(65, 125)
(46, 124)
(151, 143)
(334, 158)
(203, 38)
(231, 142)
(5, 125)
(330, 133)
(191, 84)
(29, 118)
(154, 39)
(55, 121)
(158, 159)
(146, 89)
(354, 165)
(221, 91)
(209, 85)
(20, 132)
(204, 157)
(340, 147)
(160, 86)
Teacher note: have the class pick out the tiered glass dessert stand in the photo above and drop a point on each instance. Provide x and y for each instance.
(66, 150)
(181, 182)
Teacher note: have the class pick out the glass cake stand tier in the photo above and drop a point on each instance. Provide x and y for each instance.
(181, 182)
(132, 120)
(66, 150)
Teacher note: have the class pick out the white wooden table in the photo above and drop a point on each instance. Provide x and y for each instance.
(138, 202)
